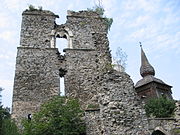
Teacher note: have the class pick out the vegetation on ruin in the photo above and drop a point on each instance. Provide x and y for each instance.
(100, 10)
(7, 126)
(59, 116)
(160, 107)
(176, 131)
(33, 8)
(108, 67)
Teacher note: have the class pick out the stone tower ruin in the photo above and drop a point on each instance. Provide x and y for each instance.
(108, 97)
(39, 65)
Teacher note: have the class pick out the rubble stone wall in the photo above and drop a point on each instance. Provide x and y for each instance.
(121, 111)
(36, 79)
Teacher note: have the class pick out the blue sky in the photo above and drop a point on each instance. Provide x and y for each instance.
(155, 23)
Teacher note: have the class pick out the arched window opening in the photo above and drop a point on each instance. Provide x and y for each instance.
(158, 132)
(61, 43)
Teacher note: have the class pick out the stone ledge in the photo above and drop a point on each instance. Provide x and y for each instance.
(92, 109)
(81, 49)
(43, 12)
(84, 13)
(81, 16)
(37, 48)
(161, 119)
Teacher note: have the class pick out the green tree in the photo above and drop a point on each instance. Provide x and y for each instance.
(120, 60)
(160, 107)
(7, 126)
(59, 116)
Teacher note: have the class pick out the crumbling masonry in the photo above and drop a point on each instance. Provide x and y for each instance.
(108, 96)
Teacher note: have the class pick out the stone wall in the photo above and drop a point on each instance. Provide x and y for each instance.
(120, 110)
(36, 28)
(89, 55)
(37, 65)
(36, 79)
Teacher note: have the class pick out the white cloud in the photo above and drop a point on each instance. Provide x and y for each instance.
(14, 4)
(141, 20)
(4, 20)
(7, 92)
(8, 36)
(6, 84)
(20, 5)
(109, 6)
(150, 6)
(4, 56)
(70, 6)
(156, 30)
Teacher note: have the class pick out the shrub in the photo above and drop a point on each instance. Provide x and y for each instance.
(32, 8)
(160, 107)
(59, 116)
(7, 126)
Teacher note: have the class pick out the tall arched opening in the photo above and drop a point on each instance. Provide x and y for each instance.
(61, 42)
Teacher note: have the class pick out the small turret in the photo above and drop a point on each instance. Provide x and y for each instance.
(150, 86)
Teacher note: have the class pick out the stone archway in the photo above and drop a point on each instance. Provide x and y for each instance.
(61, 33)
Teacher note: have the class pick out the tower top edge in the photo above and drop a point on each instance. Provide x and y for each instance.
(40, 13)
(83, 13)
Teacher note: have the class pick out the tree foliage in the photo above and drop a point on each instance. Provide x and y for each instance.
(7, 126)
(160, 107)
(120, 60)
(59, 116)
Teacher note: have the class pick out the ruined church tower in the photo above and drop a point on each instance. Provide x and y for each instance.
(108, 96)
(39, 65)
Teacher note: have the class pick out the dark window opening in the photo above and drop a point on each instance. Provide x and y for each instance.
(158, 132)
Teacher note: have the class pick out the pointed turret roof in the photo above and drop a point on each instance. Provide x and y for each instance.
(147, 72)
(146, 68)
